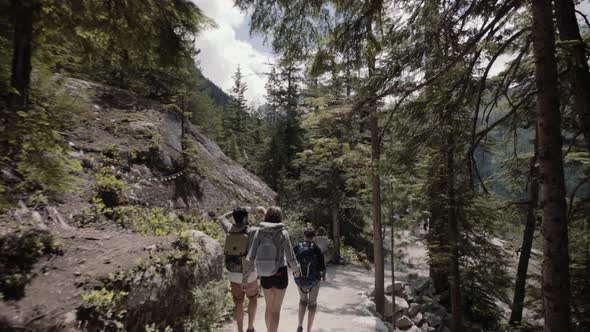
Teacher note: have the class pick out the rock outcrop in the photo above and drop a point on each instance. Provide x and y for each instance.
(413, 306)
(165, 161)
(100, 267)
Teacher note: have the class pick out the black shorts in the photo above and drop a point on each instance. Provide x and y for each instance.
(279, 281)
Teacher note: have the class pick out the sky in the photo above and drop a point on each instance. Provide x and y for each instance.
(228, 45)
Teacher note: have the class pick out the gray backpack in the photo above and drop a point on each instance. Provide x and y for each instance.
(267, 255)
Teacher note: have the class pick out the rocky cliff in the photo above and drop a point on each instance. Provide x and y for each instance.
(122, 251)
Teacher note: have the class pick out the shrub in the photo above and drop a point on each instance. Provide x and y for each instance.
(102, 308)
(19, 251)
(148, 221)
(211, 228)
(110, 188)
(208, 308)
(35, 143)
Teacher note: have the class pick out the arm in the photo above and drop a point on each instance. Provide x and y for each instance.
(226, 224)
(290, 254)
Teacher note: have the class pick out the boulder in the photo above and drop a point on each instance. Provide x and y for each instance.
(432, 319)
(368, 324)
(406, 292)
(396, 287)
(412, 328)
(420, 284)
(414, 309)
(404, 322)
(426, 328)
(369, 306)
(417, 318)
(401, 306)
(389, 289)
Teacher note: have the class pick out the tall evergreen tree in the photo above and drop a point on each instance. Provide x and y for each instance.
(556, 291)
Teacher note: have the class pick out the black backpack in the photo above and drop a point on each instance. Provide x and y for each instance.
(308, 261)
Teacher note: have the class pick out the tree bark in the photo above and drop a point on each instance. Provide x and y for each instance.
(376, 195)
(454, 277)
(556, 289)
(378, 252)
(527, 243)
(392, 234)
(21, 54)
(336, 232)
(577, 63)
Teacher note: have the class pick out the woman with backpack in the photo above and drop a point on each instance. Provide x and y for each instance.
(313, 269)
(272, 251)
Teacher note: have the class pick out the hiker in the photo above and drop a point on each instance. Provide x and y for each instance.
(241, 274)
(313, 269)
(272, 252)
(326, 245)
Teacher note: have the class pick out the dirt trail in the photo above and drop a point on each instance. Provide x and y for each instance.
(340, 304)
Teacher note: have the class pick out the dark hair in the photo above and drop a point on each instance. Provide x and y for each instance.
(274, 215)
(321, 231)
(309, 233)
(239, 214)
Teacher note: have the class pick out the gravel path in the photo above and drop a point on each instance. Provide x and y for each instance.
(340, 305)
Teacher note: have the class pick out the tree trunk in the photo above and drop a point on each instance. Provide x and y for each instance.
(336, 232)
(376, 179)
(376, 195)
(454, 277)
(556, 290)
(577, 63)
(21, 54)
(393, 317)
(527, 243)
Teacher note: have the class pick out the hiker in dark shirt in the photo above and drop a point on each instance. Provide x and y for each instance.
(313, 269)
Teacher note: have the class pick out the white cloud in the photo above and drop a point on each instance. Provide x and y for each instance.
(222, 51)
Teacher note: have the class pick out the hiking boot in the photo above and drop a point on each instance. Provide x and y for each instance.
(300, 329)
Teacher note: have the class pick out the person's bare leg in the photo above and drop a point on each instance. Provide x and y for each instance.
(268, 299)
(253, 302)
(239, 313)
(279, 295)
(310, 318)
(312, 307)
(302, 306)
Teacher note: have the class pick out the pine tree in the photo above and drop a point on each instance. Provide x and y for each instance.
(556, 281)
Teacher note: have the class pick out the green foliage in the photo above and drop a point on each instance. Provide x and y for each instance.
(208, 307)
(103, 308)
(211, 228)
(102, 299)
(35, 145)
(148, 221)
(110, 188)
(19, 251)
